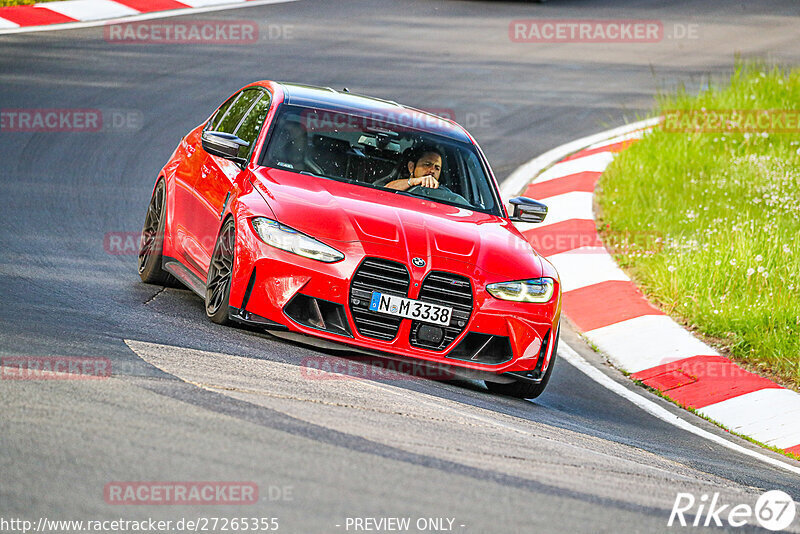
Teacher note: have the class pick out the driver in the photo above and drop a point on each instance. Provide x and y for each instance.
(290, 148)
(421, 166)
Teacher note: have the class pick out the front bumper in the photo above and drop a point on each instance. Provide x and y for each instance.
(283, 291)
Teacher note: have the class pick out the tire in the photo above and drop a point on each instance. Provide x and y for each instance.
(220, 272)
(152, 240)
(527, 390)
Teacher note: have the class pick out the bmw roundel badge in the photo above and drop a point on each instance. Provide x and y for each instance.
(418, 262)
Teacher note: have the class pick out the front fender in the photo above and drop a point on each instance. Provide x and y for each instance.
(248, 203)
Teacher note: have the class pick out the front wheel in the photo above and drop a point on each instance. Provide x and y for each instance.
(220, 272)
(527, 390)
(152, 240)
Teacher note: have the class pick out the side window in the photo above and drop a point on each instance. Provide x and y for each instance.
(252, 123)
(236, 111)
(212, 124)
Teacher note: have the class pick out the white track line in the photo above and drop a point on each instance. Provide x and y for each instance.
(520, 178)
(86, 10)
(615, 140)
(596, 162)
(7, 24)
(569, 354)
(143, 16)
(560, 208)
(204, 3)
(646, 342)
(585, 266)
(755, 415)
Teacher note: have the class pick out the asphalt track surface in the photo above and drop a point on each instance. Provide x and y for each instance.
(193, 401)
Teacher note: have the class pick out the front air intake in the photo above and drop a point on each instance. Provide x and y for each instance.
(318, 314)
(482, 348)
(385, 276)
(445, 289)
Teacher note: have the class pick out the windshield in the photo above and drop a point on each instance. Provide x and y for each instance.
(376, 153)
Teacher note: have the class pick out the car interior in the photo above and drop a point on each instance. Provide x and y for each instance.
(366, 152)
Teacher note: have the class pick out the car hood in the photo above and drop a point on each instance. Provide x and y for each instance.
(401, 227)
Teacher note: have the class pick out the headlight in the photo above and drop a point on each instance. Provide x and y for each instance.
(533, 290)
(285, 238)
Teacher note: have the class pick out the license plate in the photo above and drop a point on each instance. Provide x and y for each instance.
(412, 309)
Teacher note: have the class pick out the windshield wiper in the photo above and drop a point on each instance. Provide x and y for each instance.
(309, 173)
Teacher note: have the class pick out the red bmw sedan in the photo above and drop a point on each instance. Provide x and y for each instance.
(358, 221)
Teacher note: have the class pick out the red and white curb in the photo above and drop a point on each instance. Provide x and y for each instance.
(603, 303)
(73, 14)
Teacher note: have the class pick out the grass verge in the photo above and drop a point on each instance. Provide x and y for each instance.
(708, 224)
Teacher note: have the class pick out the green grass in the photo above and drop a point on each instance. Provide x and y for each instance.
(708, 224)
(4, 3)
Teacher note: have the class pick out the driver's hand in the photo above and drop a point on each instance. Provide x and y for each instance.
(425, 181)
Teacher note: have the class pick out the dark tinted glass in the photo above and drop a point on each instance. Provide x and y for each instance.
(237, 110)
(212, 124)
(252, 123)
(373, 151)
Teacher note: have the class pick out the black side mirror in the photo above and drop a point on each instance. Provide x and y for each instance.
(528, 210)
(224, 145)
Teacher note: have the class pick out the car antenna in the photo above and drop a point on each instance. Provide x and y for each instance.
(345, 90)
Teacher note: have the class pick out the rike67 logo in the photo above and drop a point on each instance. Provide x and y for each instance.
(774, 510)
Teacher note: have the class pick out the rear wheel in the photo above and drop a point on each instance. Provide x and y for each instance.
(152, 240)
(528, 390)
(220, 272)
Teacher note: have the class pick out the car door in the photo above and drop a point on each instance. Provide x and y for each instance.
(214, 185)
(183, 208)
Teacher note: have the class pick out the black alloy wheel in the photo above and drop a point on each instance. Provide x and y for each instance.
(152, 240)
(220, 272)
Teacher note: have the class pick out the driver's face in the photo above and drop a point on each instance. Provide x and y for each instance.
(430, 163)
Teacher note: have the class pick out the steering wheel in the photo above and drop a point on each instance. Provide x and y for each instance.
(437, 193)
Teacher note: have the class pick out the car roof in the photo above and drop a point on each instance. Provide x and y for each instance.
(330, 99)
